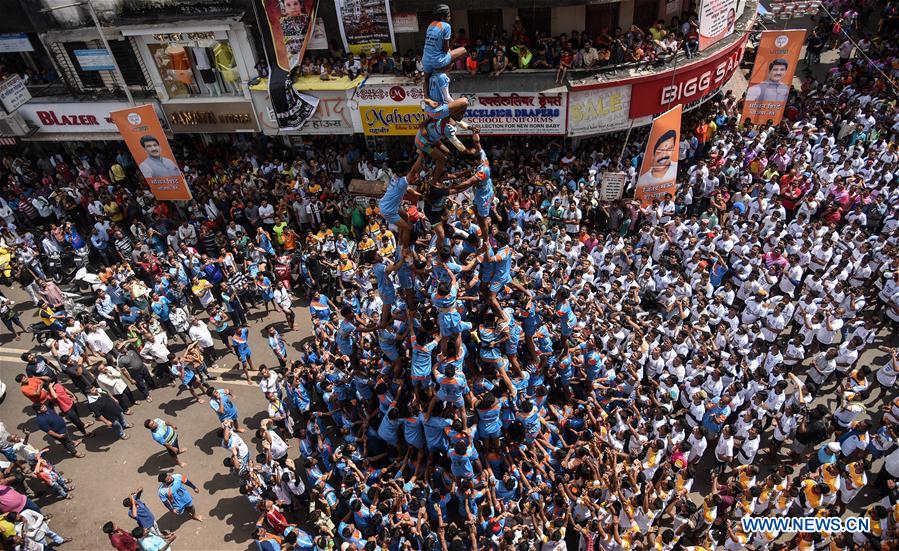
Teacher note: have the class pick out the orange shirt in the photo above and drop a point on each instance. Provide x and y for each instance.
(33, 389)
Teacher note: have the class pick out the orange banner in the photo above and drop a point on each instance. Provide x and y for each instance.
(772, 75)
(140, 128)
(658, 173)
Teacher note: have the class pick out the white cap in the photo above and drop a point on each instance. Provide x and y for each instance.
(833, 446)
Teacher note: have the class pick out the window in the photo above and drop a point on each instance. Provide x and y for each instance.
(128, 63)
(89, 79)
(484, 24)
(601, 18)
(646, 12)
(535, 21)
(202, 68)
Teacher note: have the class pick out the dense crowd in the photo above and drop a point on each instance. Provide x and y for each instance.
(515, 364)
(523, 48)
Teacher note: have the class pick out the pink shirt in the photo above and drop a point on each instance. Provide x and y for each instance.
(11, 500)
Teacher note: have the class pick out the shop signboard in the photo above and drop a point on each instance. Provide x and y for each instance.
(523, 113)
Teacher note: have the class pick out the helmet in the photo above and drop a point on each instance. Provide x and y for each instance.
(442, 11)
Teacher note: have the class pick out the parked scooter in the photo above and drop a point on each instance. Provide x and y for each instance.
(85, 280)
(54, 267)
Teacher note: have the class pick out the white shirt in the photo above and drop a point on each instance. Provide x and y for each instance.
(891, 463)
(748, 450)
(200, 333)
(279, 447)
(825, 335)
(270, 384)
(267, 213)
(112, 382)
(724, 448)
(282, 298)
(886, 375)
(99, 341)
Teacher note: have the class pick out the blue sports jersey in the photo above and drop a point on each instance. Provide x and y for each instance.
(385, 286)
(434, 55)
(393, 197)
(438, 89)
(413, 431)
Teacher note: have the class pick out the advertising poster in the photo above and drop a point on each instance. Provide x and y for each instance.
(772, 75)
(390, 110)
(15, 42)
(684, 85)
(658, 172)
(599, 110)
(525, 113)
(365, 26)
(140, 128)
(333, 115)
(286, 27)
(95, 60)
(716, 21)
(13, 93)
(405, 22)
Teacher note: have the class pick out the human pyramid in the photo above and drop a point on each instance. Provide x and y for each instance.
(445, 118)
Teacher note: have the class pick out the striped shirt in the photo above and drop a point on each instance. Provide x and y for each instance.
(238, 281)
(164, 434)
(124, 246)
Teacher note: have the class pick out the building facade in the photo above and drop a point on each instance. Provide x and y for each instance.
(202, 64)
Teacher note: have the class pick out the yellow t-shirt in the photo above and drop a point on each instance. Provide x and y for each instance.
(366, 244)
(7, 528)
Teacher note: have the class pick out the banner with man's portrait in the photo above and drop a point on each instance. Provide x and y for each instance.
(287, 27)
(140, 128)
(658, 172)
(717, 20)
(772, 75)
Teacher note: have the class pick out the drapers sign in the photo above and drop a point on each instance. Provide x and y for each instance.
(524, 113)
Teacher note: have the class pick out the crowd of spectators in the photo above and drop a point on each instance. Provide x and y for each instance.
(522, 49)
(571, 373)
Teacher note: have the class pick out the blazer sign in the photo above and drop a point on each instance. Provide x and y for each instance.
(70, 117)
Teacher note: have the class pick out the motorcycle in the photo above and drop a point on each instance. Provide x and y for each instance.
(82, 257)
(41, 333)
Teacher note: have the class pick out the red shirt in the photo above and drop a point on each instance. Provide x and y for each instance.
(123, 541)
(63, 400)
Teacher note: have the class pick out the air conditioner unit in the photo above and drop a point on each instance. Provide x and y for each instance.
(14, 125)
